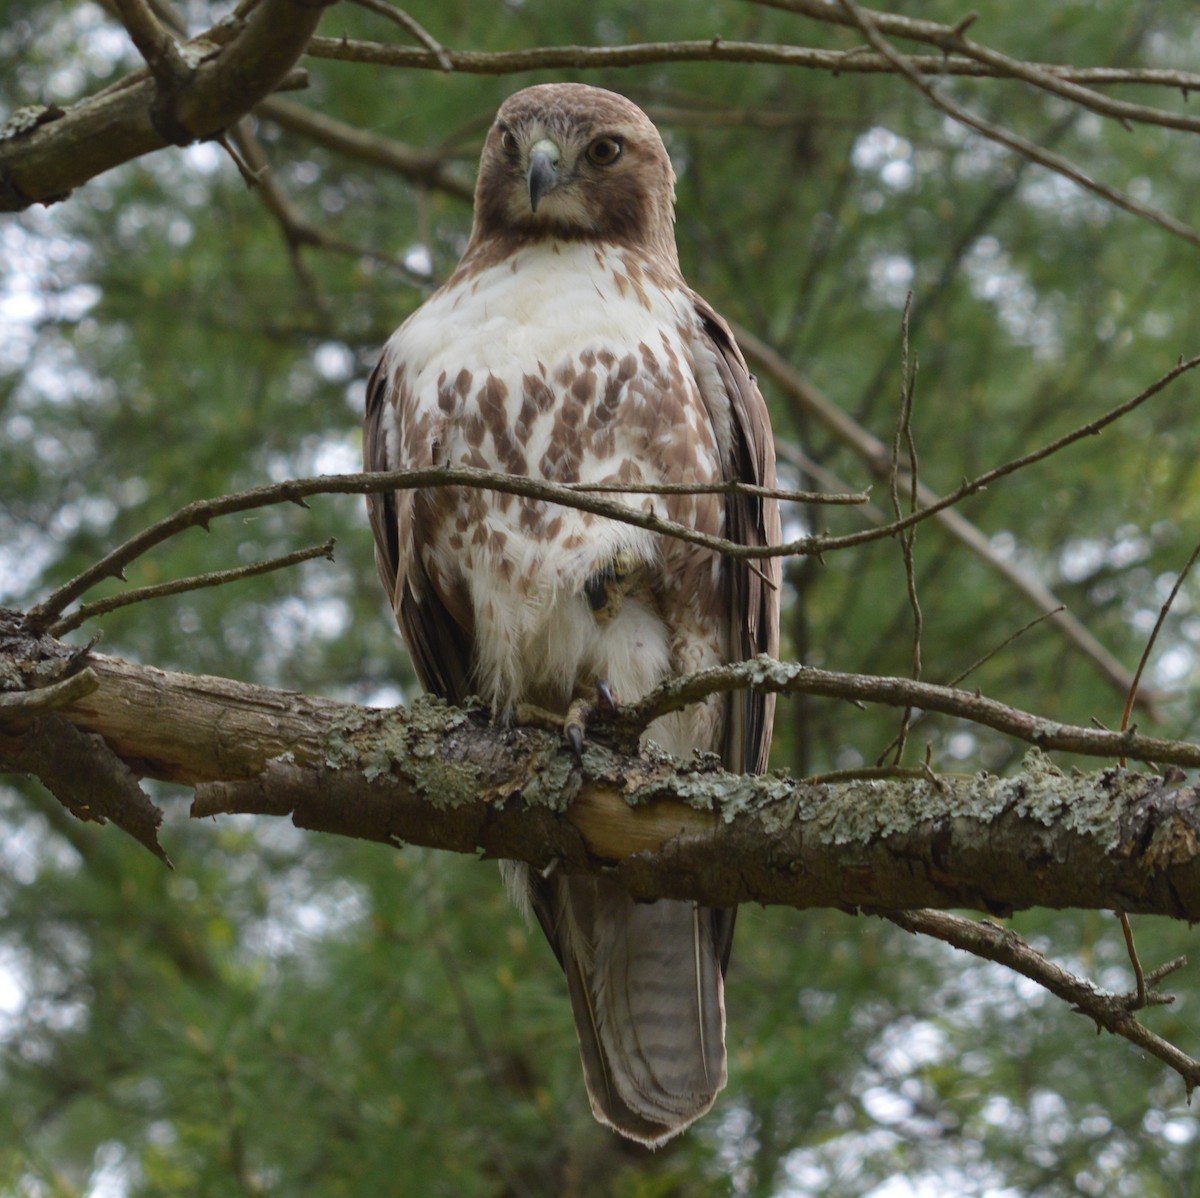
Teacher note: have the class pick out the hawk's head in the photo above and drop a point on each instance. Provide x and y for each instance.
(575, 162)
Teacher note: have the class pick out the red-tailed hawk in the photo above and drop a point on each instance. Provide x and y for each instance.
(567, 346)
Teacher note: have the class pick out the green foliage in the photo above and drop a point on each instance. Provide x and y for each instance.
(292, 1015)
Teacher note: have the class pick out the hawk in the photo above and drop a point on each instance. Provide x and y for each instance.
(566, 346)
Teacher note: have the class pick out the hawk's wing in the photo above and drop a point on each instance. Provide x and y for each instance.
(439, 645)
(739, 414)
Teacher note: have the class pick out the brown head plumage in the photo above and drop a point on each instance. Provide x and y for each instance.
(574, 162)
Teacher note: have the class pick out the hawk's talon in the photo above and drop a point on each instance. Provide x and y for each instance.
(575, 737)
(607, 697)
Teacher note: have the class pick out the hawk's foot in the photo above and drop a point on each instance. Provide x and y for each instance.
(607, 587)
(600, 701)
(583, 709)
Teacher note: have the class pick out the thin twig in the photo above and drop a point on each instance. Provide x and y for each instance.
(1014, 141)
(201, 512)
(196, 582)
(1162, 616)
(908, 382)
(425, 167)
(1004, 644)
(979, 661)
(1109, 1011)
(983, 481)
(1139, 1000)
(872, 451)
(298, 231)
(730, 487)
(410, 25)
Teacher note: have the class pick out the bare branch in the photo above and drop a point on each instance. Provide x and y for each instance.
(1153, 637)
(421, 166)
(717, 49)
(1014, 141)
(196, 582)
(450, 779)
(875, 455)
(231, 68)
(1028, 626)
(409, 25)
(201, 512)
(297, 229)
(952, 39)
(729, 487)
(999, 944)
(154, 43)
(907, 538)
(782, 678)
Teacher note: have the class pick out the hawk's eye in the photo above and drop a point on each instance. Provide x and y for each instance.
(508, 143)
(604, 151)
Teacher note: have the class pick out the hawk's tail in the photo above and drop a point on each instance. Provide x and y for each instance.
(647, 991)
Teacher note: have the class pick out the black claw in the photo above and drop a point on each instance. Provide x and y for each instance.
(608, 696)
(575, 736)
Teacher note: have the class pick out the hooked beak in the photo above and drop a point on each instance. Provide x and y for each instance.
(542, 176)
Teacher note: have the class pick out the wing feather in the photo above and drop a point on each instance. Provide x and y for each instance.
(440, 646)
(739, 415)
(737, 407)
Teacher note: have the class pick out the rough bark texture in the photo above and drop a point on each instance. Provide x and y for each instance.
(46, 152)
(437, 776)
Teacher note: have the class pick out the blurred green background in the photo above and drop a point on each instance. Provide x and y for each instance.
(294, 1014)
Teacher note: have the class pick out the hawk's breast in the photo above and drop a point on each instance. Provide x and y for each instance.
(572, 363)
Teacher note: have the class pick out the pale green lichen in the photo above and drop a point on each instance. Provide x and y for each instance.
(555, 784)
(408, 741)
(1089, 807)
(863, 810)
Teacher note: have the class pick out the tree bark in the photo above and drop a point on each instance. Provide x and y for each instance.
(47, 152)
(446, 778)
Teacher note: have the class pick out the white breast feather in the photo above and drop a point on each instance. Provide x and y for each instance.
(545, 305)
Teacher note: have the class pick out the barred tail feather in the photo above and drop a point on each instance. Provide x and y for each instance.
(646, 988)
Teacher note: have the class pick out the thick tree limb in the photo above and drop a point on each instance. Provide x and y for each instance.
(233, 66)
(445, 778)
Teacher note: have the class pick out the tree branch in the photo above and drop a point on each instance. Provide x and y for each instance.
(230, 69)
(873, 452)
(1013, 141)
(1113, 1012)
(201, 512)
(196, 582)
(785, 678)
(717, 49)
(447, 778)
(424, 167)
(952, 40)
